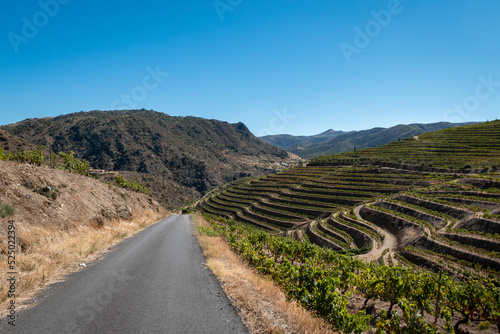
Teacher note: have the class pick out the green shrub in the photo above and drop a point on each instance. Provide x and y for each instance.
(134, 186)
(28, 185)
(6, 210)
(74, 165)
(208, 231)
(30, 157)
(467, 167)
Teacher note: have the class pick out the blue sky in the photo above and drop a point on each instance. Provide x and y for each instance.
(283, 66)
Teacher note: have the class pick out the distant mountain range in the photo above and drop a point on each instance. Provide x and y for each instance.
(474, 147)
(176, 158)
(288, 141)
(332, 142)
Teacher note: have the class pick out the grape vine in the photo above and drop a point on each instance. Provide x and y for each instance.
(325, 282)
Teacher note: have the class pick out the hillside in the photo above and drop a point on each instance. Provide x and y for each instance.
(472, 146)
(72, 199)
(12, 143)
(285, 141)
(408, 224)
(332, 142)
(392, 234)
(62, 221)
(176, 158)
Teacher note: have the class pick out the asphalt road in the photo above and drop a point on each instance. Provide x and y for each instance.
(154, 282)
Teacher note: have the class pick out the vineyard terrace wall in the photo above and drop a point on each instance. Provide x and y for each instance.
(360, 238)
(482, 225)
(439, 247)
(447, 209)
(478, 242)
(317, 239)
(433, 220)
(404, 230)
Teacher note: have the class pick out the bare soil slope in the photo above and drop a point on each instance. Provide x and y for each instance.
(72, 201)
(62, 221)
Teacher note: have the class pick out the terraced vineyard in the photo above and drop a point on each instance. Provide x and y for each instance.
(315, 201)
(440, 221)
(473, 146)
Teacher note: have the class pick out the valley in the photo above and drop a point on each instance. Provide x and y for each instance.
(298, 167)
(402, 237)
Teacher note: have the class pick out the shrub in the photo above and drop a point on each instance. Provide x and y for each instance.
(30, 157)
(48, 192)
(6, 210)
(467, 167)
(74, 165)
(28, 185)
(135, 186)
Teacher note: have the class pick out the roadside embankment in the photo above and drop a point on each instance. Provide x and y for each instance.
(62, 221)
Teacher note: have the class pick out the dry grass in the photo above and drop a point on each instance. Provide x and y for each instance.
(50, 253)
(261, 303)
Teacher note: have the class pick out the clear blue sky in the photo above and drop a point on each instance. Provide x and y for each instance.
(282, 66)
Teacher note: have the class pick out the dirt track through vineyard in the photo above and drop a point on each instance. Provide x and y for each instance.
(389, 242)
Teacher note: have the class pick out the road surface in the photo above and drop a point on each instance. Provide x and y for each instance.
(154, 282)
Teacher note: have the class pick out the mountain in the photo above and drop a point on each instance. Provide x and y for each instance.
(176, 158)
(332, 142)
(465, 147)
(12, 143)
(286, 141)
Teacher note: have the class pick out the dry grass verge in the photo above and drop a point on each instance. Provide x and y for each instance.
(261, 303)
(51, 253)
